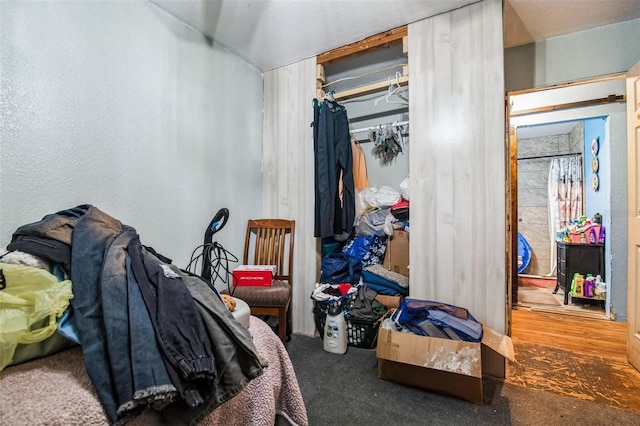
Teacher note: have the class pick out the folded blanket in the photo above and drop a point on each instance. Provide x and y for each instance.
(382, 285)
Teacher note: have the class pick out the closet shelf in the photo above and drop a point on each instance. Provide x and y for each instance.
(367, 45)
(368, 89)
(370, 44)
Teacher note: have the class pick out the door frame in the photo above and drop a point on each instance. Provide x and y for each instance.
(633, 221)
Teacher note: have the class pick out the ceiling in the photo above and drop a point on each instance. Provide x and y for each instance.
(273, 33)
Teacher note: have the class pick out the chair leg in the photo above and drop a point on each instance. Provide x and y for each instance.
(289, 323)
(282, 324)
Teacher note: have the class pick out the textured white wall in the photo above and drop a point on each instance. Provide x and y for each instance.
(122, 106)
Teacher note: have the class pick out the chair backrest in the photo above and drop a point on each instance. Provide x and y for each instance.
(266, 244)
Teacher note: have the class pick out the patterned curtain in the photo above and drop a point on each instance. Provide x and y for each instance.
(565, 197)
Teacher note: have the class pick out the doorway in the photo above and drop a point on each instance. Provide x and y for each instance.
(553, 196)
(543, 124)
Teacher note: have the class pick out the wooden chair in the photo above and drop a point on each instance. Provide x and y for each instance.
(266, 244)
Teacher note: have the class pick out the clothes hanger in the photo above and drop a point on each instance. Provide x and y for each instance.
(329, 96)
(393, 90)
(399, 92)
(383, 97)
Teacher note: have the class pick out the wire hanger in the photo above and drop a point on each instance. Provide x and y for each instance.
(392, 90)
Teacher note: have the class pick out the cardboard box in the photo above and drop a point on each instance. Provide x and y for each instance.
(254, 275)
(449, 367)
(396, 256)
(389, 302)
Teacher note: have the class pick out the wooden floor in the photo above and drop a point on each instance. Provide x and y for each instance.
(575, 356)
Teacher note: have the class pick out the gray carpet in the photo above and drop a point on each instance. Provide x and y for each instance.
(345, 390)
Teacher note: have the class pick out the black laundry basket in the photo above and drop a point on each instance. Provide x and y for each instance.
(360, 333)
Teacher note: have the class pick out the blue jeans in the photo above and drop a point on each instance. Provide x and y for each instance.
(179, 329)
(237, 362)
(91, 237)
(151, 382)
(125, 370)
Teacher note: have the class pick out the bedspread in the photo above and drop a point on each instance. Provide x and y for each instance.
(56, 390)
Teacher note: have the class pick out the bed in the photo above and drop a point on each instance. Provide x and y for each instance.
(56, 390)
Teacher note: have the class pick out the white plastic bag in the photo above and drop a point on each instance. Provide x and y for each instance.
(404, 188)
(385, 196)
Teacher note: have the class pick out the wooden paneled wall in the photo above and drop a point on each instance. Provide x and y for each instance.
(457, 164)
(287, 166)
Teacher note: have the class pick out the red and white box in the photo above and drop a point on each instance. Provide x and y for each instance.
(254, 275)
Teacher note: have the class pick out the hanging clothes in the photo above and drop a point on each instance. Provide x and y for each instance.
(386, 147)
(333, 160)
(360, 178)
(564, 197)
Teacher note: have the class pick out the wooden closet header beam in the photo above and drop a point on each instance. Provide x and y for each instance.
(375, 42)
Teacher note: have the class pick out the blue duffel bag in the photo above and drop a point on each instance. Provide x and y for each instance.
(339, 268)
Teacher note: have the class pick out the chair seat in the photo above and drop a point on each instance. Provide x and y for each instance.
(275, 296)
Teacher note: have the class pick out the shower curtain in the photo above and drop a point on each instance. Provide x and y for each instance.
(565, 197)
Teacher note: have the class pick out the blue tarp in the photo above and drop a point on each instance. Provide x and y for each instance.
(524, 252)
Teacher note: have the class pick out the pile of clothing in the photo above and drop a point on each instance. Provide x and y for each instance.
(357, 302)
(435, 319)
(151, 334)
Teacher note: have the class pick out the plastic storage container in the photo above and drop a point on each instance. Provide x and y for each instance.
(335, 331)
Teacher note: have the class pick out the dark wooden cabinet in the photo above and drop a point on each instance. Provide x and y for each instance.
(581, 258)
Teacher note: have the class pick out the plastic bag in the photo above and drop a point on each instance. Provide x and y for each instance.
(31, 295)
(359, 246)
(404, 188)
(384, 196)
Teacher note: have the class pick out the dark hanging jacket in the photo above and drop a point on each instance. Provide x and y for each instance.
(333, 160)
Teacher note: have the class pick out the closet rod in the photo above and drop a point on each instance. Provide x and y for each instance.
(536, 157)
(366, 129)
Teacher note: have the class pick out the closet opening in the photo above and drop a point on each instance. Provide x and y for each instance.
(362, 107)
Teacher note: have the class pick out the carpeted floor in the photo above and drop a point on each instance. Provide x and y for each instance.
(345, 390)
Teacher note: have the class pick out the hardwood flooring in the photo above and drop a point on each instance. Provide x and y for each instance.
(575, 356)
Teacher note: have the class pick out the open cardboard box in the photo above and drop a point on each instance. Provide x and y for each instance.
(389, 302)
(396, 256)
(450, 367)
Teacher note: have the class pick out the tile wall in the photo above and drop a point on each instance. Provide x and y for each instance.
(533, 176)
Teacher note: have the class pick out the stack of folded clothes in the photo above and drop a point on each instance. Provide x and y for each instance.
(385, 282)
(435, 319)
